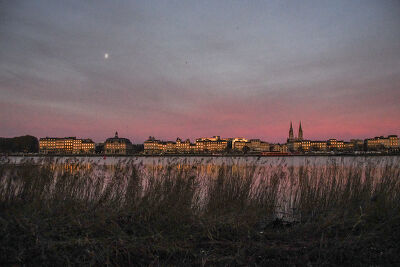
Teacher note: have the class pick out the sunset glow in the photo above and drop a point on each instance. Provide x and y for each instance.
(227, 68)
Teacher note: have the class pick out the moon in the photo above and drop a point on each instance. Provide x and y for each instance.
(106, 55)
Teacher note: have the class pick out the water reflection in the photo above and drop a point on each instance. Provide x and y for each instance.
(286, 179)
(202, 166)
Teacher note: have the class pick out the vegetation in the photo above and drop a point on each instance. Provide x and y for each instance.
(27, 144)
(67, 214)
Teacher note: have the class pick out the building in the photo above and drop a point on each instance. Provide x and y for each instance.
(300, 135)
(377, 143)
(155, 146)
(239, 145)
(202, 145)
(294, 145)
(291, 135)
(183, 146)
(213, 144)
(297, 144)
(66, 145)
(305, 144)
(348, 146)
(254, 145)
(258, 146)
(394, 141)
(279, 148)
(334, 144)
(238, 139)
(117, 145)
(318, 145)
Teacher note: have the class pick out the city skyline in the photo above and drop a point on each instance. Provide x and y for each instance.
(291, 137)
(216, 144)
(189, 69)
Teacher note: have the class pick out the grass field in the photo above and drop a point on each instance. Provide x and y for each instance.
(306, 216)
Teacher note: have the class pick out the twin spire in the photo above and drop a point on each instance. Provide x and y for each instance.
(291, 135)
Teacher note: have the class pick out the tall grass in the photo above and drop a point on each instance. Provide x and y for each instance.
(325, 214)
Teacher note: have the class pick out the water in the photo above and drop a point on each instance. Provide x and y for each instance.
(294, 161)
(265, 171)
(205, 166)
(208, 166)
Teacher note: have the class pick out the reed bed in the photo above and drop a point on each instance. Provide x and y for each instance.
(206, 214)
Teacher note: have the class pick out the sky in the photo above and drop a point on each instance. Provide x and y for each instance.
(199, 68)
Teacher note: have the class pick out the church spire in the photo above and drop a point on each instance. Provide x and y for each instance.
(291, 136)
(300, 136)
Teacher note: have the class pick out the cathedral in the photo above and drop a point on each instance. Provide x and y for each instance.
(291, 135)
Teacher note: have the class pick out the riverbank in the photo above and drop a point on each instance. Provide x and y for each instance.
(333, 218)
(308, 154)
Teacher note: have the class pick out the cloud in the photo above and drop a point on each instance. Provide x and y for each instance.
(190, 70)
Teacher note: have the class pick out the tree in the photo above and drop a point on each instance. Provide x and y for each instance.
(246, 149)
(26, 144)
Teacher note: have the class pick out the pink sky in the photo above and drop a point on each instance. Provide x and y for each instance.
(234, 69)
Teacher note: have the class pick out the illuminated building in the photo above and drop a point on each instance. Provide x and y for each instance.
(117, 145)
(258, 145)
(348, 146)
(318, 145)
(390, 142)
(184, 147)
(299, 145)
(66, 145)
(394, 141)
(239, 145)
(170, 146)
(305, 144)
(255, 145)
(279, 148)
(212, 144)
(238, 139)
(155, 146)
(334, 144)
(378, 143)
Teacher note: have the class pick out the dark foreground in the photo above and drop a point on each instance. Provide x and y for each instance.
(76, 220)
